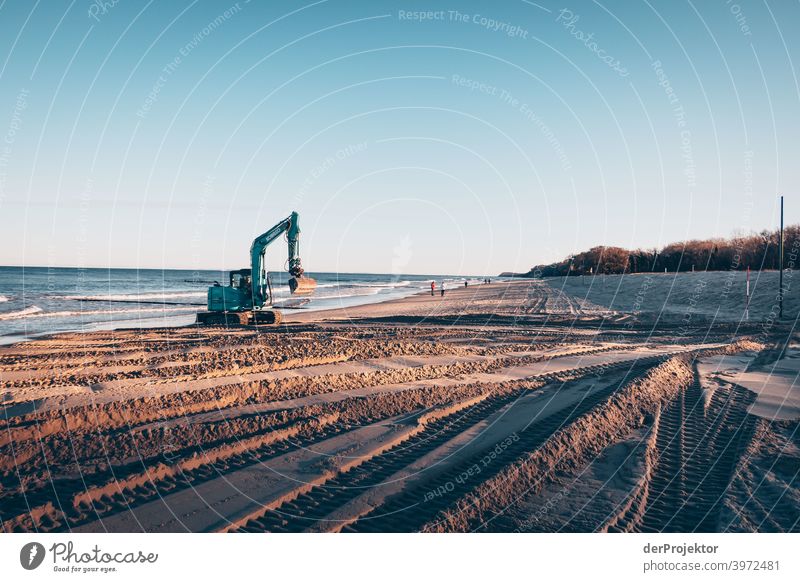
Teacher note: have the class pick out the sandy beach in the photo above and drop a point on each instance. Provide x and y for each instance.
(510, 406)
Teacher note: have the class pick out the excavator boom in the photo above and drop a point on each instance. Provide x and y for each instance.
(298, 284)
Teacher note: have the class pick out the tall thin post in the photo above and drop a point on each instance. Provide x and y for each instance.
(747, 295)
(780, 266)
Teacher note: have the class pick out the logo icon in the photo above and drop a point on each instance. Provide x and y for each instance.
(31, 555)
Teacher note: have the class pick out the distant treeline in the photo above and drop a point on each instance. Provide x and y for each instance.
(757, 251)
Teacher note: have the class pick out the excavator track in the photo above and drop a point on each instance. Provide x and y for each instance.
(232, 318)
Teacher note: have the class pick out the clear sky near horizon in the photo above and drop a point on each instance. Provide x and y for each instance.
(475, 138)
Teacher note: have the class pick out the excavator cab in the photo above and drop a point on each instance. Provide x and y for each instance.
(240, 279)
(234, 297)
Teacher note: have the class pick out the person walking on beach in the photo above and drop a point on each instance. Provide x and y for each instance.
(442, 288)
(433, 287)
(465, 283)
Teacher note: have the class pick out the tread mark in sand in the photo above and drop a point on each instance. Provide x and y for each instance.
(408, 510)
(698, 448)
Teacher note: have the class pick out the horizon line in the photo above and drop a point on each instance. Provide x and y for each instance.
(227, 270)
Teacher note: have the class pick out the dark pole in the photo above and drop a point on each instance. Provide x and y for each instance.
(780, 265)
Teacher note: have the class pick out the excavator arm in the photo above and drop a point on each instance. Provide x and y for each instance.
(298, 283)
(244, 300)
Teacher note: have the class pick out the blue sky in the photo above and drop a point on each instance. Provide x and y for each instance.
(422, 137)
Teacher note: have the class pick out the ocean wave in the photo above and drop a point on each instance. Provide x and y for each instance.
(4, 298)
(27, 312)
(387, 285)
(135, 296)
(363, 293)
(37, 312)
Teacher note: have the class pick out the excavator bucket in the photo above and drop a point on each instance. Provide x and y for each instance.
(302, 285)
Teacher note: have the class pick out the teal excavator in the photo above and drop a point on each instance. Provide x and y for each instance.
(247, 299)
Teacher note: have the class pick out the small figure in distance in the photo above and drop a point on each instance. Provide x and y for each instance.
(433, 287)
(465, 283)
(442, 288)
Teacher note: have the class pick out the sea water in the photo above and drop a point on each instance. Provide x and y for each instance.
(40, 300)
